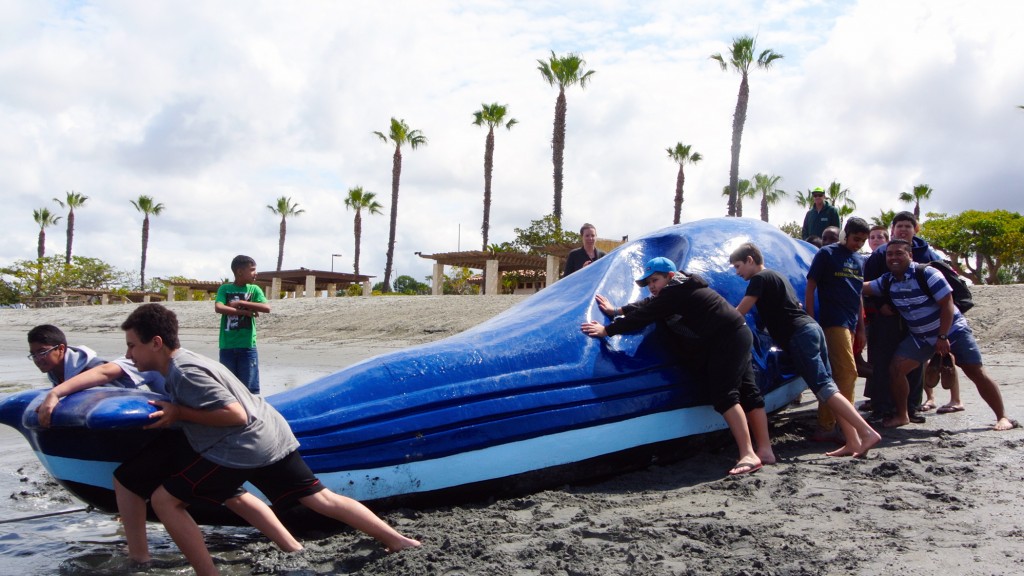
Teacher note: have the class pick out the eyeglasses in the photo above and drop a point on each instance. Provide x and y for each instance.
(817, 195)
(37, 355)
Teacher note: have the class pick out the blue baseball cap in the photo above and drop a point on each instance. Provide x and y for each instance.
(659, 264)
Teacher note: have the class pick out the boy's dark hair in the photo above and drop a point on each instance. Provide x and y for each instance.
(905, 216)
(900, 242)
(149, 320)
(813, 239)
(587, 225)
(47, 334)
(883, 229)
(747, 249)
(856, 226)
(241, 261)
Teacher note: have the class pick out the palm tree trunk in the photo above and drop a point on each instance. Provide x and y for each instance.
(71, 236)
(357, 226)
(680, 178)
(764, 207)
(488, 168)
(41, 246)
(739, 118)
(145, 244)
(282, 231)
(558, 154)
(396, 175)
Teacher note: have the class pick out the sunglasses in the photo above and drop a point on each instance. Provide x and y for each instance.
(37, 355)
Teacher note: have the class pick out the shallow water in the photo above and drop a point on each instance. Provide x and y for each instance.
(44, 530)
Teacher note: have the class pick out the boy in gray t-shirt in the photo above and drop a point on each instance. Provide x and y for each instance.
(232, 437)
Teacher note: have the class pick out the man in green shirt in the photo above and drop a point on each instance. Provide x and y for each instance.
(239, 303)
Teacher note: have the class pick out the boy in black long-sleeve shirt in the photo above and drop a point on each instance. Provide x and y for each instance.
(688, 301)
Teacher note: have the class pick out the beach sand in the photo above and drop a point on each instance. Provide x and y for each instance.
(945, 497)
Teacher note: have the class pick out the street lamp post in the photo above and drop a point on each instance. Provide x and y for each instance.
(333, 256)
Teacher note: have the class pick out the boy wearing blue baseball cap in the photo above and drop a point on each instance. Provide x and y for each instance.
(681, 303)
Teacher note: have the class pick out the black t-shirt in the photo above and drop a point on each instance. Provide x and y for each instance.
(577, 258)
(777, 307)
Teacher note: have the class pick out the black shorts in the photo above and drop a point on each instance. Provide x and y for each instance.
(189, 477)
(168, 454)
(286, 480)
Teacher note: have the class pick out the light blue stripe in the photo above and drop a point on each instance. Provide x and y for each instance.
(90, 472)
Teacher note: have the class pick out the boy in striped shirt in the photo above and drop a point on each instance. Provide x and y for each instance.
(936, 327)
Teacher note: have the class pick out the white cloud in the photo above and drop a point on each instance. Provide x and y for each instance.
(217, 109)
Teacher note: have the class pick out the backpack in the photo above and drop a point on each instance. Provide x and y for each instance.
(962, 297)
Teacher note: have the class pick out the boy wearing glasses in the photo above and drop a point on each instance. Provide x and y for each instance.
(48, 349)
(74, 368)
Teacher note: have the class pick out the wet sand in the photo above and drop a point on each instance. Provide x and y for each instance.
(945, 497)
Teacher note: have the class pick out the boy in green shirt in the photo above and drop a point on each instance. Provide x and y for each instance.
(239, 303)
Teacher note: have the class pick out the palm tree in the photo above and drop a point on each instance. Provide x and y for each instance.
(284, 208)
(681, 155)
(884, 218)
(767, 186)
(399, 135)
(147, 206)
(839, 197)
(743, 190)
(357, 200)
(805, 199)
(563, 72)
(45, 219)
(73, 200)
(741, 57)
(921, 192)
(492, 115)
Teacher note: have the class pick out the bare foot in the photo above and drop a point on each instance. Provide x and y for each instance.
(402, 543)
(928, 406)
(867, 443)
(844, 451)
(895, 422)
(767, 457)
(1004, 423)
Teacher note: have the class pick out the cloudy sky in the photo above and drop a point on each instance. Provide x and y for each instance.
(215, 109)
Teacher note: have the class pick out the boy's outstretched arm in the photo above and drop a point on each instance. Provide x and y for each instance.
(98, 376)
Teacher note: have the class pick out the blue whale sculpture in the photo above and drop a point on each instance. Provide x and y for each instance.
(521, 402)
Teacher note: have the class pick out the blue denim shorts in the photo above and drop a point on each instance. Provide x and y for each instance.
(809, 355)
(961, 343)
